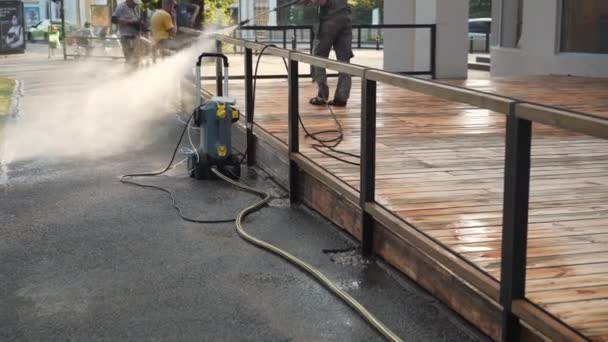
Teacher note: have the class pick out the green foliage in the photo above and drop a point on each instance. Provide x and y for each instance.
(366, 4)
(480, 8)
(221, 8)
(6, 90)
(362, 10)
(308, 15)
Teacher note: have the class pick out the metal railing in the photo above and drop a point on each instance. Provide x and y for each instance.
(486, 43)
(520, 116)
(365, 36)
(307, 37)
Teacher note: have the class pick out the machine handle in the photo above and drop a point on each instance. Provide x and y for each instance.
(212, 54)
(226, 73)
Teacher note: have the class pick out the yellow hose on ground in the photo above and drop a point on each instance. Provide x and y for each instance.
(353, 303)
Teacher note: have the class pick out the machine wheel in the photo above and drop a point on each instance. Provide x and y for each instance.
(234, 168)
(202, 169)
(234, 171)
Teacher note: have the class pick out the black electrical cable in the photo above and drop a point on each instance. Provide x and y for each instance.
(330, 143)
(125, 179)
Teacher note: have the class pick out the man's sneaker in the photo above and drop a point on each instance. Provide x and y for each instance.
(317, 101)
(337, 103)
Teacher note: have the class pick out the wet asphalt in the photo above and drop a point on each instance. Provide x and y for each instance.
(86, 258)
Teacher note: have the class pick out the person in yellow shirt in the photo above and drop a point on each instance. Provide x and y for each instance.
(163, 25)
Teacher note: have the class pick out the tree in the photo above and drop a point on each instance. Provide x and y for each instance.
(213, 8)
(362, 10)
(366, 4)
(480, 8)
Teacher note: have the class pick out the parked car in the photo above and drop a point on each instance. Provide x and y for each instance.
(40, 30)
(479, 32)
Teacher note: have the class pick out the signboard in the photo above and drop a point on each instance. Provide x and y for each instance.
(100, 16)
(12, 27)
(32, 15)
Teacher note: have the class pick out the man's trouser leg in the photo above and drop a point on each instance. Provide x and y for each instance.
(344, 52)
(167, 47)
(128, 48)
(323, 42)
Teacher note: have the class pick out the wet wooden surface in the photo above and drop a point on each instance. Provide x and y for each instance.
(440, 167)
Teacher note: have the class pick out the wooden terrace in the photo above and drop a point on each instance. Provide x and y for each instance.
(440, 173)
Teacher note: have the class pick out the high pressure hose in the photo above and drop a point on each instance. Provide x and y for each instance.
(320, 277)
(265, 198)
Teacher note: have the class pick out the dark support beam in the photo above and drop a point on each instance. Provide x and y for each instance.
(312, 49)
(515, 221)
(433, 52)
(294, 140)
(249, 106)
(284, 38)
(63, 31)
(368, 162)
(219, 74)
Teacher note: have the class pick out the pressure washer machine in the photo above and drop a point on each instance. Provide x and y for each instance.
(214, 118)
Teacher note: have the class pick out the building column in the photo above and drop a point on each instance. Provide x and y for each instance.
(409, 50)
(272, 16)
(399, 44)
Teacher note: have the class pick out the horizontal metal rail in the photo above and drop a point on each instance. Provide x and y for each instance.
(370, 44)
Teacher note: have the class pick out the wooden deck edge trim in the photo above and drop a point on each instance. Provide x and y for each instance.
(581, 123)
(332, 181)
(545, 323)
(463, 269)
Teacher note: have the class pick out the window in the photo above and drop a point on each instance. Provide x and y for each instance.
(479, 26)
(585, 26)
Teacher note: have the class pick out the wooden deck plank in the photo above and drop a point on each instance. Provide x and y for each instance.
(440, 167)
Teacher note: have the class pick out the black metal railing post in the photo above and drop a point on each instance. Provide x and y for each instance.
(515, 220)
(487, 42)
(312, 40)
(249, 105)
(368, 162)
(284, 38)
(294, 139)
(434, 51)
(294, 42)
(312, 48)
(358, 37)
(219, 73)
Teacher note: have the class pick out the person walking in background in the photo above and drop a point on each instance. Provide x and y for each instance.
(334, 29)
(163, 26)
(186, 14)
(127, 17)
(84, 39)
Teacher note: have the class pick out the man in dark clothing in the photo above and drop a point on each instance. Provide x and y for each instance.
(334, 29)
(186, 14)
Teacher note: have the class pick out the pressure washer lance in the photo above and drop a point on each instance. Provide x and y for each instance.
(244, 22)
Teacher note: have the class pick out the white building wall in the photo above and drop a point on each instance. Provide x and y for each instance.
(399, 45)
(409, 50)
(539, 47)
